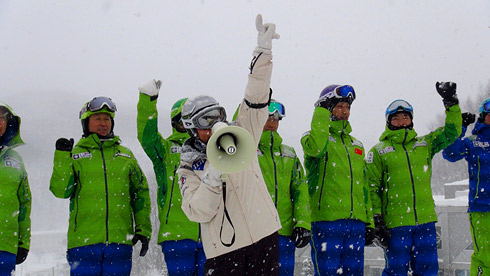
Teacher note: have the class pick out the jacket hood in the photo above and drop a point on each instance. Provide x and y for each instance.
(481, 129)
(11, 137)
(398, 136)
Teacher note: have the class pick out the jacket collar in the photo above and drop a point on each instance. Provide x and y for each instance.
(398, 136)
(340, 126)
(481, 129)
(265, 140)
(178, 137)
(93, 141)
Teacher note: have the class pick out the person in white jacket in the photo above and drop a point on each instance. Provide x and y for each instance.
(239, 222)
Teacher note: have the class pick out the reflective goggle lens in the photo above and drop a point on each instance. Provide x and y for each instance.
(98, 103)
(399, 105)
(276, 107)
(486, 107)
(209, 118)
(345, 91)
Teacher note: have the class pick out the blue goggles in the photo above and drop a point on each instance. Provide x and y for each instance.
(277, 108)
(485, 107)
(399, 106)
(344, 91)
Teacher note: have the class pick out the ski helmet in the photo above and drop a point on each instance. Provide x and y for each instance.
(398, 106)
(176, 116)
(201, 112)
(339, 93)
(97, 105)
(484, 109)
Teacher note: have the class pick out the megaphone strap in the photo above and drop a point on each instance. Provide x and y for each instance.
(223, 220)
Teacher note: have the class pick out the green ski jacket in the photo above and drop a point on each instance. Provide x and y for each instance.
(108, 192)
(15, 195)
(335, 165)
(286, 182)
(399, 169)
(165, 156)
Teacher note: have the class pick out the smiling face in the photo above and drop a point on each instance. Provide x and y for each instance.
(401, 120)
(100, 123)
(341, 111)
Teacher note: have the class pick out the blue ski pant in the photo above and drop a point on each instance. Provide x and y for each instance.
(184, 257)
(7, 263)
(286, 256)
(480, 227)
(415, 246)
(337, 247)
(100, 259)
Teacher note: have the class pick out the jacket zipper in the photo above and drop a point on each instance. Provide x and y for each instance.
(171, 195)
(411, 178)
(323, 180)
(106, 196)
(275, 168)
(351, 175)
(76, 201)
(477, 178)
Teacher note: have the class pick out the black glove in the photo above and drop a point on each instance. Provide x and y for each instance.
(144, 243)
(64, 144)
(21, 255)
(301, 237)
(447, 90)
(468, 118)
(381, 232)
(326, 102)
(369, 235)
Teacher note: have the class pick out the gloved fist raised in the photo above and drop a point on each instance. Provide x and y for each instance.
(21, 255)
(326, 102)
(64, 144)
(267, 32)
(212, 177)
(382, 233)
(144, 243)
(468, 118)
(151, 88)
(447, 90)
(301, 237)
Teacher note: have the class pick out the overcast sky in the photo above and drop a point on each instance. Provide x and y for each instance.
(56, 55)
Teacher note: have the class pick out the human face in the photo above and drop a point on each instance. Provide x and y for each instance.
(3, 124)
(272, 124)
(401, 119)
(487, 119)
(342, 111)
(100, 123)
(204, 135)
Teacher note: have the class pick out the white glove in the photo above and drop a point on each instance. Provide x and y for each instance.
(267, 32)
(151, 87)
(212, 177)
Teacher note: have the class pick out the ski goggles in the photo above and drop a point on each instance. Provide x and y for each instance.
(344, 91)
(399, 106)
(277, 108)
(485, 107)
(206, 118)
(97, 104)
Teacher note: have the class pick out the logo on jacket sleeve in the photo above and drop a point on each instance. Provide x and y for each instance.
(386, 150)
(198, 165)
(10, 162)
(82, 155)
(422, 143)
(480, 144)
(175, 149)
(122, 154)
(370, 157)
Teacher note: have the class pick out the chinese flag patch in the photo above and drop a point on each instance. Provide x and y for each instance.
(358, 151)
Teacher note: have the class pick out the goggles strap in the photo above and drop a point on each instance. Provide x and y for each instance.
(259, 105)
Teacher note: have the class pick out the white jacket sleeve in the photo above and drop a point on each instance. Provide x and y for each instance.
(200, 202)
(256, 92)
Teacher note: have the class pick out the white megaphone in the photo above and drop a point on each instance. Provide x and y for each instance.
(230, 149)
